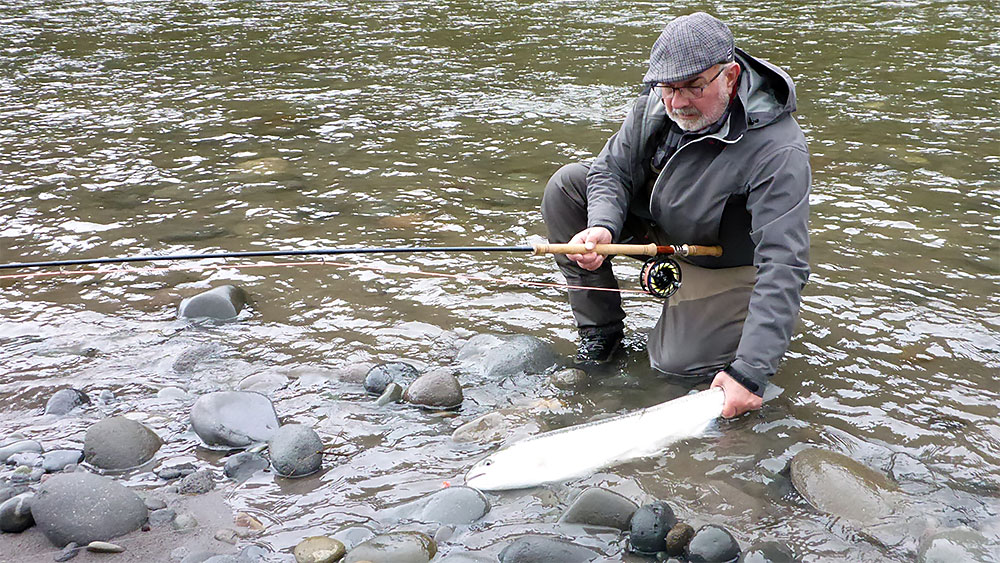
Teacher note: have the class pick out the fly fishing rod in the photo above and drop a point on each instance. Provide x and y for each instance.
(660, 275)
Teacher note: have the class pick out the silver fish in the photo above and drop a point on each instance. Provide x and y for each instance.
(580, 450)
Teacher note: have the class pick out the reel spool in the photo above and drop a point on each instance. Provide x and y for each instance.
(660, 276)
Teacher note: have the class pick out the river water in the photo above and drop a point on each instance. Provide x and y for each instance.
(133, 127)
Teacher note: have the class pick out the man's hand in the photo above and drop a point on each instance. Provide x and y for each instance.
(738, 398)
(590, 237)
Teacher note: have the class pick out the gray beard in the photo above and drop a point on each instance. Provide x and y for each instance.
(698, 121)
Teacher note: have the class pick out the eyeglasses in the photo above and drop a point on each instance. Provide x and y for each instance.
(689, 92)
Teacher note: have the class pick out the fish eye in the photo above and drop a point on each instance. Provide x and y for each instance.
(488, 463)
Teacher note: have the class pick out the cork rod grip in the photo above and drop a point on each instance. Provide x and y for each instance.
(696, 250)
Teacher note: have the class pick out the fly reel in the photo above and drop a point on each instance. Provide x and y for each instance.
(660, 276)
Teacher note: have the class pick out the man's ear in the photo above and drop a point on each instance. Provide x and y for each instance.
(733, 73)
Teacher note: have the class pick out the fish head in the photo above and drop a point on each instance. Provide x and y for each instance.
(497, 472)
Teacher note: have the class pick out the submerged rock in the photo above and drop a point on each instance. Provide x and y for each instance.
(119, 443)
(83, 507)
(296, 451)
(197, 483)
(678, 539)
(437, 389)
(65, 400)
(495, 356)
(542, 549)
(19, 447)
(769, 552)
(243, 465)
(600, 507)
(957, 544)
(713, 544)
(15, 514)
(569, 377)
(233, 419)
(56, 460)
(380, 376)
(451, 505)
(392, 394)
(318, 549)
(649, 527)
(267, 382)
(224, 302)
(838, 485)
(397, 547)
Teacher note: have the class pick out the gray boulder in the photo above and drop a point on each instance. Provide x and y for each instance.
(600, 507)
(713, 544)
(83, 507)
(649, 527)
(233, 419)
(224, 302)
(452, 505)
(955, 544)
(537, 549)
(438, 389)
(56, 460)
(397, 547)
(838, 485)
(380, 376)
(19, 447)
(119, 443)
(296, 451)
(15, 514)
(495, 356)
(65, 400)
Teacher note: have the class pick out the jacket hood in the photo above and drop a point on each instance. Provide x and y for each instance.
(765, 91)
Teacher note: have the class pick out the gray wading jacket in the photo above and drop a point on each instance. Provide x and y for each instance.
(745, 187)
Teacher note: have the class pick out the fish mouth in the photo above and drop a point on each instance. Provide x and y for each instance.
(470, 476)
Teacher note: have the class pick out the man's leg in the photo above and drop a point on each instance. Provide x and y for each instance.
(598, 314)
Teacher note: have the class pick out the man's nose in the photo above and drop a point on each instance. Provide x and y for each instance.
(678, 101)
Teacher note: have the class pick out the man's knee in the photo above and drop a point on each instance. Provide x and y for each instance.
(566, 188)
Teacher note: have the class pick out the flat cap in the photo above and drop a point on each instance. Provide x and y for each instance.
(688, 46)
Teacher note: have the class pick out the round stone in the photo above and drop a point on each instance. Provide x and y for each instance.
(119, 443)
(64, 400)
(600, 507)
(233, 419)
(196, 483)
(838, 485)
(569, 377)
(318, 549)
(223, 302)
(380, 376)
(678, 538)
(296, 451)
(438, 389)
(243, 465)
(84, 507)
(769, 552)
(409, 547)
(649, 527)
(19, 447)
(536, 549)
(451, 505)
(713, 544)
(15, 514)
(57, 460)
(494, 356)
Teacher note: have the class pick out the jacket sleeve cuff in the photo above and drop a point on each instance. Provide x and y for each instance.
(755, 383)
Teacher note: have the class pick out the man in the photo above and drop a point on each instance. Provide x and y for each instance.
(709, 154)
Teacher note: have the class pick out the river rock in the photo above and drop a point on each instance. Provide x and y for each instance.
(83, 507)
(649, 527)
(956, 544)
(224, 302)
(175, 471)
(380, 376)
(600, 507)
(19, 447)
(57, 460)
(713, 544)
(495, 356)
(437, 389)
(64, 400)
(392, 394)
(539, 549)
(296, 451)
(265, 383)
(569, 377)
(769, 552)
(456, 505)
(243, 465)
(678, 539)
(25, 459)
(162, 517)
(197, 483)
(490, 427)
(233, 419)
(397, 547)
(838, 485)
(71, 550)
(173, 394)
(15, 514)
(318, 549)
(119, 443)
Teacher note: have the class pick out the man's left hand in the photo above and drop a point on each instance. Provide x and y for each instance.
(739, 399)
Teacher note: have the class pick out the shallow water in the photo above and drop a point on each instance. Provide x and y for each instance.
(133, 127)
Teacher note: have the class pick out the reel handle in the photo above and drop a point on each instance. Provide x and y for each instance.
(629, 249)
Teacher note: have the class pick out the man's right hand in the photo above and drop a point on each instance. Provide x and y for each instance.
(590, 237)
